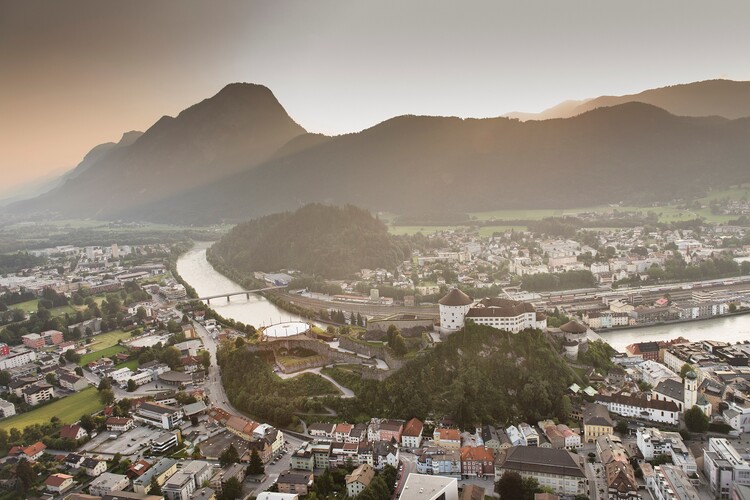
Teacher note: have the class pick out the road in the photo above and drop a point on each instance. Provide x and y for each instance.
(345, 391)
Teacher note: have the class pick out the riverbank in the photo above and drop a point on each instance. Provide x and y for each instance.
(668, 323)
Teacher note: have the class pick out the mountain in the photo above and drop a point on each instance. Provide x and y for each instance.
(725, 98)
(238, 155)
(417, 164)
(316, 239)
(239, 127)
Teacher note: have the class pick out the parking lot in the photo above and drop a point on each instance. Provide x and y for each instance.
(128, 443)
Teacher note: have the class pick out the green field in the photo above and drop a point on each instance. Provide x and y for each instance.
(31, 306)
(103, 353)
(68, 410)
(132, 364)
(409, 230)
(104, 340)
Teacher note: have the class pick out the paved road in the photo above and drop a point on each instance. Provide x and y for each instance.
(345, 391)
(212, 385)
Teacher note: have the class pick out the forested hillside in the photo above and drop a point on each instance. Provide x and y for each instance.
(334, 242)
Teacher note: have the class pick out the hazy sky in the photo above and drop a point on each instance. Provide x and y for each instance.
(74, 74)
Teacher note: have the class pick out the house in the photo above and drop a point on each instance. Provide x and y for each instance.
(30, 453)
(477, 461)
(164, 442)
(669, 482)
(341, 432)
(560, 470)
(302, 458)
(411, 436)
(137, 469)
(74, 432)
(73, 460)
(447, 438)
(491, 438)
(473, 492)
(322, 430)
(58, 483)
(37, 393)
(724, 467)
(385, 453)
(596, 422)
(119, 424)
(297, 483)
(359, 479)
(189, 478)
(93, 467)
(439, 461)
(220, 478)
(7, 409)
(108, 483)
(72, 382)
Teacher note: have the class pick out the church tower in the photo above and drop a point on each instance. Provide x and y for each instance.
(690, 396)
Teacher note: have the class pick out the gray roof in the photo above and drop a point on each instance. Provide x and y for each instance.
(542, 460)
(671, 388)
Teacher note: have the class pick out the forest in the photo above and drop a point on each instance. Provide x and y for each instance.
(479, 375)
(334, 242)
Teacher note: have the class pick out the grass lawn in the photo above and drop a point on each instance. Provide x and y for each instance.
(132, 364)
(103, 353)
(487, 231)
(104, 340)
(68, 410)
(29, 306)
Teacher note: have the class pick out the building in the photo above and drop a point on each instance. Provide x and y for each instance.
(108, 483)
(17, 356)
(236, 471)
(74, 432)
(671, 483)
(723, 467)
(302, 458)
(322, 430)
(427, 487)
(504, 314)
(359, 479)
(188, 479)
(33, 340)
(72, 382)
(447, 438)
(297, 483)
(652, 443)
(36, 393)
(119, 424)
(453, 309)
(560, 470)
(439, 462)
(477, 461)
(7, 409)
(58, 483)
(596, 422)
(52, 337)
(30, 453)
(159, 415)
(269, 495)
(164, 442)
(161, 470)
(93, 467)
(665, 412)
(647, 350)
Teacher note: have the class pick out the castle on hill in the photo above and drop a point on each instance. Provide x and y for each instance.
(504, 314)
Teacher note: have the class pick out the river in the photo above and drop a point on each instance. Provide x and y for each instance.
(257, 311)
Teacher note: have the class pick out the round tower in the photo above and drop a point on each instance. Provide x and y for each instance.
(453, 308)
(690, 396)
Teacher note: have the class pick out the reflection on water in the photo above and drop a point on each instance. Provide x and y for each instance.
(257, 311)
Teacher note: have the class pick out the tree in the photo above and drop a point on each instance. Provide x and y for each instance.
(229, 456)
(25, 473)
(696, 420)
(87, 422)
(205, 359)
(232, 489)
(255, 467)
(685, 369)
(104, 383)
(510, 486)
(622, 427)
(132, 386)
(72, 356)
(107, 396)
(171, 356)
(154, 487)
(50, 378)
(4, 378)
(79, 371)
(140, 313)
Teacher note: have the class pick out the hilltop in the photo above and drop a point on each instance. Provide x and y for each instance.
(334, 242)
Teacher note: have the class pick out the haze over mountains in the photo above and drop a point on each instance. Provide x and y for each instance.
(239, 155)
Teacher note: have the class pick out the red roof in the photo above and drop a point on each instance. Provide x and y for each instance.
(449, 435)
(57, 480)
(29, 451)
(70, 431)
(413, 428)
(477, 454)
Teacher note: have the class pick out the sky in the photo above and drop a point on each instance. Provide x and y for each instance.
(77, 73)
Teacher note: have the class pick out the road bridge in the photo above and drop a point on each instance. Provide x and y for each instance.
(228, 295)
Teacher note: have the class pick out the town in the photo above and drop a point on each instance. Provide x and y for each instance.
(112, 390)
